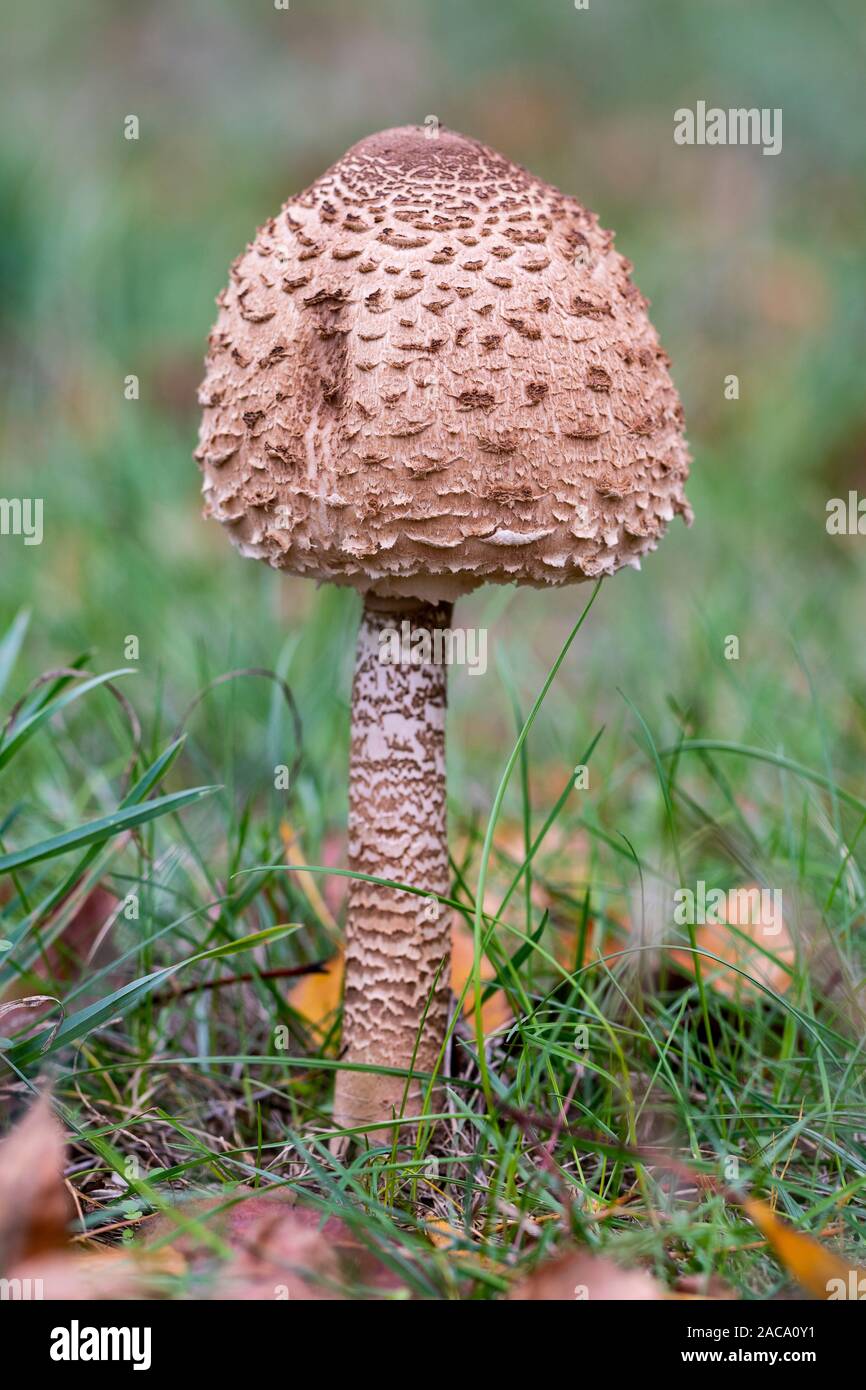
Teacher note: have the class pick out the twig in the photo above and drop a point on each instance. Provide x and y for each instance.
(284, 972)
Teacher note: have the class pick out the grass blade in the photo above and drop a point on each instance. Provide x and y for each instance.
(97, 831)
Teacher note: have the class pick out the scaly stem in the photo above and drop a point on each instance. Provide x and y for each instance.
(396, 942)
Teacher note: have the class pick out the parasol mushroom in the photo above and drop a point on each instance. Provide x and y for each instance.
(430, 371)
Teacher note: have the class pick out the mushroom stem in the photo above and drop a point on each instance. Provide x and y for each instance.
(397, 944)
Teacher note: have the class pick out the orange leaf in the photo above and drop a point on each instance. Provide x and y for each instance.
(451, 1241)
(750, 948)
(823, 1273)
(317, 997)
(495, 1012)
(307, 882)
(565, 945)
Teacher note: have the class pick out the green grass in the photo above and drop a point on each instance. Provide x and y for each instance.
(197, 1081)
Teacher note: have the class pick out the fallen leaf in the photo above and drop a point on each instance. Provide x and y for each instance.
(104, 1275)
(274, 1255)
(307, 882)
(35, 1210)
(823, 1273)
(35, 1207)
(277, 1249)
(495, 1011)
(443, 1235)
(280, 1257)
(704, 1286)
(596, 943)
(360, 1265)
(317, 997)
(82, 944)
(280, 1250)
(575, 1276)
(746, 948)
(453, 1241)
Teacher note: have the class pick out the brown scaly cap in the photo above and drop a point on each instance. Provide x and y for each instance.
(432, 371)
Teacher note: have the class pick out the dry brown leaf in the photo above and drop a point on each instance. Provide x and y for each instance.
(576, 1276)
(749, 954)
(358, 1262)
(275, 1254)
(704, 1286)
(35, 1210)
(84, 942)
(280, 1257)
(280, 1250)
(35, 1207)
(820, 1271)
(110, 1274)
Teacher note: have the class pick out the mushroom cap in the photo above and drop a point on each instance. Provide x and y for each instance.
(432, 371)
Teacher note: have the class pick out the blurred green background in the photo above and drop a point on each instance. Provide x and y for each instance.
(113, 250)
